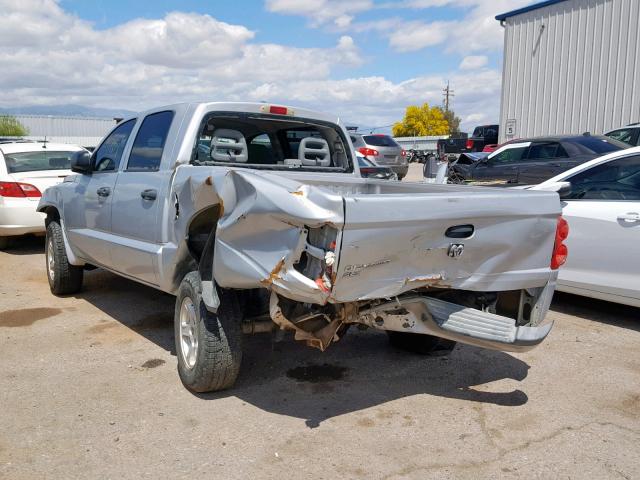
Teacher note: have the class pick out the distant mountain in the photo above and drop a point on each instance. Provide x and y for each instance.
(66, 110)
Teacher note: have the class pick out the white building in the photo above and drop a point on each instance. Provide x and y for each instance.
(83, 131)
(570, 66)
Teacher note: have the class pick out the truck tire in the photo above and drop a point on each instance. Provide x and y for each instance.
(421, 344)
(63, 277)
(208, 346)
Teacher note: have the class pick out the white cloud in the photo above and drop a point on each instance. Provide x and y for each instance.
(49, 57)
(321, 12)
(418, 35)
(473, 62)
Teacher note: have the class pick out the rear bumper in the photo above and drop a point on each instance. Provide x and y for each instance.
(20, 219)
(430, 316)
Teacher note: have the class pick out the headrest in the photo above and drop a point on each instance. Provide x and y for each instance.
(314, 152)
(228, 146)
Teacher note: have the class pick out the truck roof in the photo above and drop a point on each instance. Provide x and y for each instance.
(250, 107)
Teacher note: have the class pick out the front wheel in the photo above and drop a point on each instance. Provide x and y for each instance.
(421, 344)
(63, 277)
(208, 346)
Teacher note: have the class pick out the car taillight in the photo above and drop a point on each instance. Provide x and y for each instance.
(18, 189)
(403, 153)
(560, 251)
(368, 152)
(469, 144)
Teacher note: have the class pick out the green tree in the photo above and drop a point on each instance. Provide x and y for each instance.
(420, 121)
(453, 121)
(11, 127)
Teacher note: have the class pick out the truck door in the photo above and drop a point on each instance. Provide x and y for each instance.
(87, 213)
(139, 197)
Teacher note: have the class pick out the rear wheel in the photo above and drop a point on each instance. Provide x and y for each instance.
(64, 278)
(421, 344)
(208, 345)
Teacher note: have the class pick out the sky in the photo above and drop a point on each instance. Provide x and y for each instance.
(364, 60)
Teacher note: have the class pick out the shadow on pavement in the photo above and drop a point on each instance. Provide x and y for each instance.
(366, 371)
(25, 245)
(601, 311)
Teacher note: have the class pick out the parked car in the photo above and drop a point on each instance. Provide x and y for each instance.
(382, 150)
(482, 136)
(531, 161)
(601, 202)
(371, 170)
(629, 134)
(26, 170)
(273, 226)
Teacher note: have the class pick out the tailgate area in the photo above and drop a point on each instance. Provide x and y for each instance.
(394, 243)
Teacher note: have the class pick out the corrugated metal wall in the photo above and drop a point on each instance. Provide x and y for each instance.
(571, 67)
(85, 131)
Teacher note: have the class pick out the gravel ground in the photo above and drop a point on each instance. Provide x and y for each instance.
(89, 389)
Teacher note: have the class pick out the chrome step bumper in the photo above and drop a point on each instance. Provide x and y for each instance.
(430, 316)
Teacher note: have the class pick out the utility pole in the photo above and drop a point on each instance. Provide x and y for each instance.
(447, 93)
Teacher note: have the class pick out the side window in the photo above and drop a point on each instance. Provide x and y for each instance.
(615, 180)
(624, 135)
(148, 146)
(509, 155)
(107, 157)
(543, 151)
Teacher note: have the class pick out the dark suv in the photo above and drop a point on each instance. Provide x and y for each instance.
(531, 161)
(482, 136)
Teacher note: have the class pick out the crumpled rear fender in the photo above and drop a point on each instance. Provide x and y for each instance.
(263, 230)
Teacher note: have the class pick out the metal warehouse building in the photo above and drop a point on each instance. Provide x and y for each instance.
(83, 131)
(570, 66)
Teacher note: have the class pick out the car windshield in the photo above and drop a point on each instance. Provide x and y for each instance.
(38, 161)
(380, 141)
(600, 144)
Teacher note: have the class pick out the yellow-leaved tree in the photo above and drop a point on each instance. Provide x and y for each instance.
(420, 121)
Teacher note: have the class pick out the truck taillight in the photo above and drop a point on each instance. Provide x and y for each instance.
(18, 190)
(368, 152)
(560, 251)
(469, 144)
(403, 153)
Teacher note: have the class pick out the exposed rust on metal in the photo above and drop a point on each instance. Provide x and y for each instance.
(319, 339)
(275, 273)
(209, 181)
(299, 193)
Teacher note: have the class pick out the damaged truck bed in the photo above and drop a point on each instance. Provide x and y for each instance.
(259, 219)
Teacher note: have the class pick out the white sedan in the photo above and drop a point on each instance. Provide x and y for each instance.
(26, 170)
(601, 203)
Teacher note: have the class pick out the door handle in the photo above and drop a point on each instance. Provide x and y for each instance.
(149, 194)
(103, 191)
(629, 217)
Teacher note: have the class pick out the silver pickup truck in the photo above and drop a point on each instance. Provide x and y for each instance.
(255, 217)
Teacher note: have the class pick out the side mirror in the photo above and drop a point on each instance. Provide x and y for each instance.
(81, 162)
